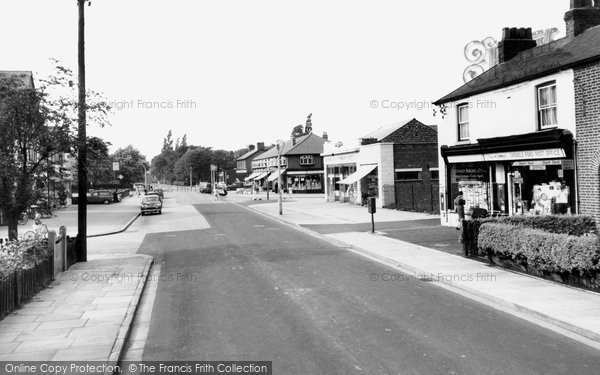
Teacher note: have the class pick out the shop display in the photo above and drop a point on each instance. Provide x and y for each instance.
(475, 194)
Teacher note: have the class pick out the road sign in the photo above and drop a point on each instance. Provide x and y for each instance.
(115, 165)
(213, 167)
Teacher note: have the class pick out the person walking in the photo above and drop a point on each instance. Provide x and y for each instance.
(459, 207)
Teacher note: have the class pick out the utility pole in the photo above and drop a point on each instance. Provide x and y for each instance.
(81, 142)
(279, 187)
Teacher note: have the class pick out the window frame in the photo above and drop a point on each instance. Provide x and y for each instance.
(464, 123)
(538, 106)
(304, 158)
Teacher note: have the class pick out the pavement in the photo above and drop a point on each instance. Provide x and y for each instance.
(570, 311)
(86, 313)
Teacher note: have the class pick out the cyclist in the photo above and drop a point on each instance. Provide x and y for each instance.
(38, 227)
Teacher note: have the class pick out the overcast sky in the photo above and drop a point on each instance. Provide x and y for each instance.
(237, 72)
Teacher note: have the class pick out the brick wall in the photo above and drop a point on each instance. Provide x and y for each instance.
(422, 195)
(587, 113)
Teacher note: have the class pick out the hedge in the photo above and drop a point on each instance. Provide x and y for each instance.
(576, 225)
(17, 256)
(545, 251)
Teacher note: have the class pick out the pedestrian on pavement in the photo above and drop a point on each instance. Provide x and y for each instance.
(459, 206)
(116, 196)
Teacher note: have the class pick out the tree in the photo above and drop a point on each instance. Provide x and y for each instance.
(297, 131)
(99, 165)
(30, 134)
(131, 164)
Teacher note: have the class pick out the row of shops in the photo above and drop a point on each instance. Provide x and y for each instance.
(293, 181)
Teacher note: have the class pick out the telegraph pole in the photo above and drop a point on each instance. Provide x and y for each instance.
(81, 142)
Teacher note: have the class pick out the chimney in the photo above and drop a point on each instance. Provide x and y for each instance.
(260, 146)
(251, 147)
(325, 136)
(293, 141)
(582, 15)
(514, 41)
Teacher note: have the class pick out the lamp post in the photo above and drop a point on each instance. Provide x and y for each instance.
(145, 177)
(190, 178)
(280, 144)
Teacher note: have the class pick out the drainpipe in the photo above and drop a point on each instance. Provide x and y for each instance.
(576, 177)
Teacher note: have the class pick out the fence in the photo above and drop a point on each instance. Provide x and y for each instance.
(22, 285)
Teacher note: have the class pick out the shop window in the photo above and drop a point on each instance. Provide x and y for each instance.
(547, 105)
(463, 122)
(307, 160)
(408, 176)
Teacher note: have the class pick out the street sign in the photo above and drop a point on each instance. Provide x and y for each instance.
(213, 167)
(115, 165)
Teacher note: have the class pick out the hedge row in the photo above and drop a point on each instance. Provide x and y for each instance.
(576, 225)
(22, 255)
(545, 251)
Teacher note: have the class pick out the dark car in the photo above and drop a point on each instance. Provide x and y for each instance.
(100, 196)
(151, 204)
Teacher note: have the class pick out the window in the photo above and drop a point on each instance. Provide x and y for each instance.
(435, 175)
(307, 160)
(463, 122)
(408, 176)
(547, 105)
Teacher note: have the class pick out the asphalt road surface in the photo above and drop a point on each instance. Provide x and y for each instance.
(250, 288)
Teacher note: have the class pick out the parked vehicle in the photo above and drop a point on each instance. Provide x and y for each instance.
(100, 196)
(235, 186)
(151, 204)
(205, 187)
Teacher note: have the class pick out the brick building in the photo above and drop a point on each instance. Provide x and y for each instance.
(397, 164)
(524, 135)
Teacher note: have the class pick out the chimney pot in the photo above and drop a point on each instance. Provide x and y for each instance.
(584, 14)
(514, 41)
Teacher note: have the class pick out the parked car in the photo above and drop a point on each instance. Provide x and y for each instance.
(151, 204)
(100, 196)
(205, 187)
(235, 186)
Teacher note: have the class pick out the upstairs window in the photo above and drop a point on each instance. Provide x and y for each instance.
(547, 106)
(463, 122)
(307, 160)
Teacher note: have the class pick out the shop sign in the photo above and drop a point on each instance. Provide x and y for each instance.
(537, 167)
(568, 164)
(518, 180)
(529, 163)
(526, 155)
(471, 174)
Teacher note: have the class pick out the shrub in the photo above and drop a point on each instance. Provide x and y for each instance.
(545, 251)
(576, 225)
(22, 255)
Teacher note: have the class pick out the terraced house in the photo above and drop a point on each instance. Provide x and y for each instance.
(525, 135)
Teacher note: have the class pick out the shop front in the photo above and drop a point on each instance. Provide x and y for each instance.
(304, 181)
(530, 174)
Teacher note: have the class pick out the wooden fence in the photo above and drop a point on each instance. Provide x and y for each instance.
(23, 285)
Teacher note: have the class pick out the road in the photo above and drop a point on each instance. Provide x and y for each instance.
(250, 288)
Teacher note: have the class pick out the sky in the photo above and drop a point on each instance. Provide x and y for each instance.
(237, 72)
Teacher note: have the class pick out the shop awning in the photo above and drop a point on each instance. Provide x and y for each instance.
(274, 176)
(545, 144)
(261, 176)
(362, 171)
(252, 176)
(302, 173)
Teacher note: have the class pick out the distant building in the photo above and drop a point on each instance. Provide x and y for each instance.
(397, 164)
(243, 170)
(301, 165)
